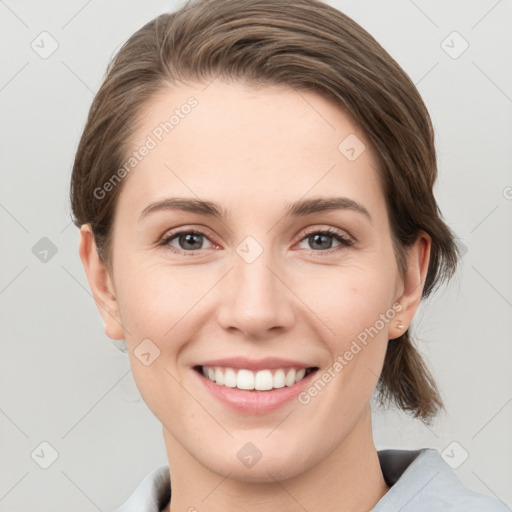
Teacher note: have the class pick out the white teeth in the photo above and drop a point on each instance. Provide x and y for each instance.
(290, 378)
(230, 378)
(262, 380)
(244, 379)
(219, 376)
(279, 380)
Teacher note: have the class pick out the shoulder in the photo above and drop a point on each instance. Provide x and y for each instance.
(421, 481)
(152, 493)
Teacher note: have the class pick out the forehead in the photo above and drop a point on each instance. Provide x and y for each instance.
(230, 141)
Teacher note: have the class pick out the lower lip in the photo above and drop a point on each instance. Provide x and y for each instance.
(252, 401)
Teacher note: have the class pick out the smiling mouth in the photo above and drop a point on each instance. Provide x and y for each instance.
(247, 380)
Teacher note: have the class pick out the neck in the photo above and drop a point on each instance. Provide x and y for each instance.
(348, 478)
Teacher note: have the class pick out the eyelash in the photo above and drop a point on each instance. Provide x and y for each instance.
(343, 240)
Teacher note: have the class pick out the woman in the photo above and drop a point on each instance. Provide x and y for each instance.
(254, 191)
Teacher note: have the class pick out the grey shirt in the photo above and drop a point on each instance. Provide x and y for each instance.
(419, 480)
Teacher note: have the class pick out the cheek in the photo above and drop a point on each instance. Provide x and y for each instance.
(158, 388)
(153, 300)
(353, 299)
(359, 312)
(362, 308)
(158, 302)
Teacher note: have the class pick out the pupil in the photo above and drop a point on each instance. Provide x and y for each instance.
(320, 236)
(189, 238)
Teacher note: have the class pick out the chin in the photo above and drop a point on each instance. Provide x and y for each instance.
(266, 469)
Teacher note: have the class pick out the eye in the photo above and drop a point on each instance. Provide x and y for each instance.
(322, 239)
(187, 240)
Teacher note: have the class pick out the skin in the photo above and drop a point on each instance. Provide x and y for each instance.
(253, 150)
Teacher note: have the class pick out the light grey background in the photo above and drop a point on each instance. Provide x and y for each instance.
(65, 383)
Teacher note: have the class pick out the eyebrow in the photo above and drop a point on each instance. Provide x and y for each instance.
(300, 208)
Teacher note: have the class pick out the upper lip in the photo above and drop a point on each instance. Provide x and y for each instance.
(269, 363)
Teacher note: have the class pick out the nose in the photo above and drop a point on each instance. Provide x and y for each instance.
(255, 298)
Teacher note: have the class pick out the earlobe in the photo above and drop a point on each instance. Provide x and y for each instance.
(101, 284)
(418, 257)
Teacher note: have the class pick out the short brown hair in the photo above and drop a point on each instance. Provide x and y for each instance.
(307, 45)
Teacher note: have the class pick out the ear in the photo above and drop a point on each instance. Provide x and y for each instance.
(418, 257)
(101, 284)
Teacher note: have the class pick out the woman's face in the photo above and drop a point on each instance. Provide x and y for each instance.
(259, 281)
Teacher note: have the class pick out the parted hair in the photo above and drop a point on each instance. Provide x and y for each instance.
(310, 46)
